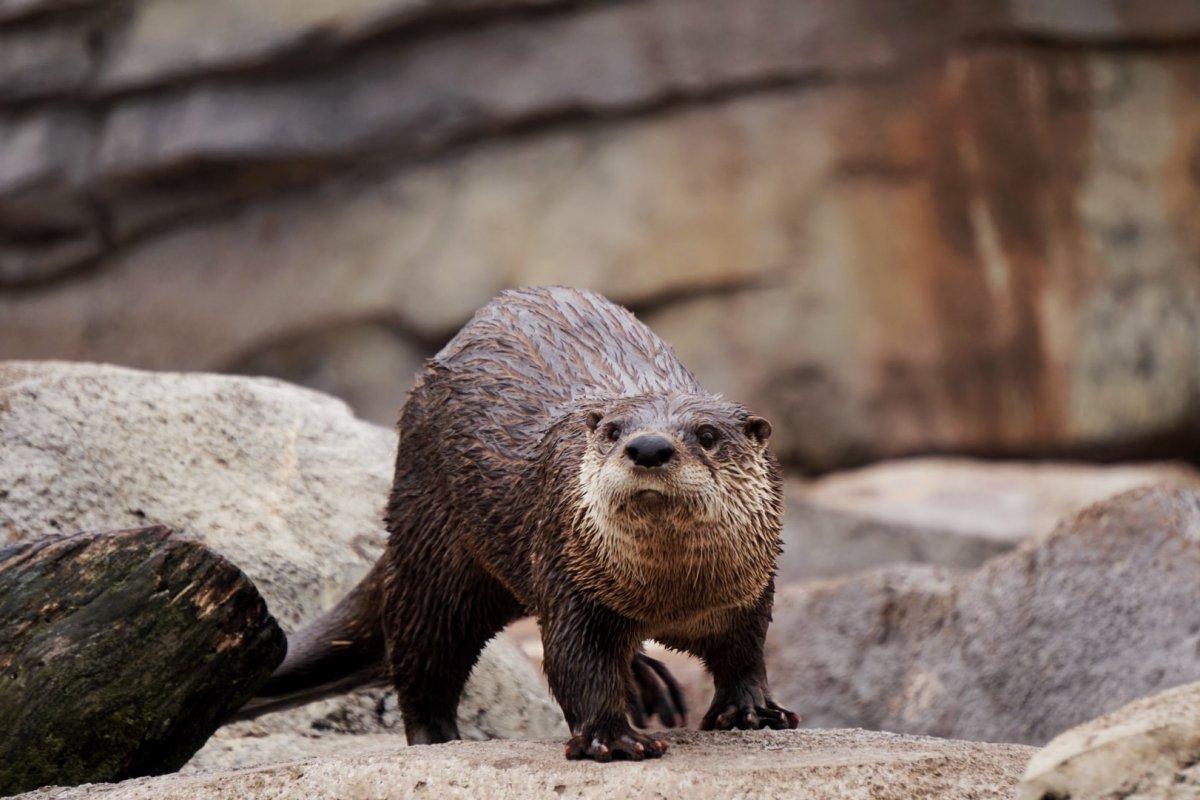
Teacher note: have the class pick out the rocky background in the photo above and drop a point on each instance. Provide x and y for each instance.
(932, 226)
(918, 598)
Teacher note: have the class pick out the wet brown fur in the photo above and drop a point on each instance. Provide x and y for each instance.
(512, 496)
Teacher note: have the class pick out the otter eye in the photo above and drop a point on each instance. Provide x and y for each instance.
(612, 431)
(707, 436)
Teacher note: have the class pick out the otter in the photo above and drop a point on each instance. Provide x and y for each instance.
(556, 458)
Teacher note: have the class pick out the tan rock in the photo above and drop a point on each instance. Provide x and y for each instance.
(283, 481)
(893, 230)
(169, 39)
(796, 764)
(952, 512)
(1148, 749)
(368, 365)
(1033, 642)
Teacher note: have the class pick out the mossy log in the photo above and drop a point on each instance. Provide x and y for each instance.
(121, 653)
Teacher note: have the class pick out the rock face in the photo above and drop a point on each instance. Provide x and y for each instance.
(121, 653)
(763, 764)
(1149, 749)
(952, 512)
(284, 482)
(1030, 644)
(967, 225)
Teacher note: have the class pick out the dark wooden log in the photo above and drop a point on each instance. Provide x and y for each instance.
(121, 653)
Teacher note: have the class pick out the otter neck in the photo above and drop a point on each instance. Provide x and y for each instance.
(673, 570)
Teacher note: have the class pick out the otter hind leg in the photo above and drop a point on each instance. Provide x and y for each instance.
(438, 618)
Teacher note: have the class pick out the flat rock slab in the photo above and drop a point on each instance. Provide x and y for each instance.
(121, 653)
(953, 512)
(1148, 750)
(846, 764)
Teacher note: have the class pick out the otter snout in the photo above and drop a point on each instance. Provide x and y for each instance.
(650, 450)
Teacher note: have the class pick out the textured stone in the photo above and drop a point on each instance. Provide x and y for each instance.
(503, 699)
(1148, 749)
(170, 39)
(946, 226)
(951, 512)
(18, 9)
(765, 764)
(368, 365)
(121, 653)
(1030, 644)
(45, 60)
(284, 482)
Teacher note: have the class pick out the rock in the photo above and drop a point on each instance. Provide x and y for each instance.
(960, 227)
(284, 482)
(169, 40)
(1033, 642)
(1147, 749)
(12, 10)
(120, 654)
(762, 764)
(368, 365)
(505, 699)
(953, 512)
(45, 60)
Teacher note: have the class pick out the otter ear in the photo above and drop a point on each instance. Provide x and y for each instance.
(593, 419)
(757, 428)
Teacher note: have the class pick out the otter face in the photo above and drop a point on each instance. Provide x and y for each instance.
(680, 497)
(685, 457)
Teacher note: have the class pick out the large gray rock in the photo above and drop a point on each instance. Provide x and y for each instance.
(762, 764)
(1146, 750)
(284, 482)
(953, 512)
(1035, 641)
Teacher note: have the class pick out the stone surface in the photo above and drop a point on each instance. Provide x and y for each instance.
(795, 764)
(504, 699)
(952, 512)
(1148, 750)
(1033, 642)
(368, 365)
(954, 226)
(121, 653)
(284, 482)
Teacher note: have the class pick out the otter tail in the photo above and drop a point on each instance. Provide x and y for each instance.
(340, 650)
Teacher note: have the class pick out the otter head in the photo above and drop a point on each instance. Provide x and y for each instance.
(681, 506)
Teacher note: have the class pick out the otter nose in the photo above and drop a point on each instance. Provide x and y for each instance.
(650, 450)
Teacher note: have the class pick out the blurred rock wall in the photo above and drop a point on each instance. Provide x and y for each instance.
(938, 225)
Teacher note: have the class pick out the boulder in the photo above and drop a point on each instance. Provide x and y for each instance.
(953, 512)
(1031, 643)
(284, 482)
(761, 764)
(1148, 749)
(120, 654)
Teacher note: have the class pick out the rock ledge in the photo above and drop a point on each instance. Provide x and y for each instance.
(800, 764)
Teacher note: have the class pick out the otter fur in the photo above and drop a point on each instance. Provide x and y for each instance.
(557, 459)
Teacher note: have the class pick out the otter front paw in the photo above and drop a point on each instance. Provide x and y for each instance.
(655, 692)
(749, 717)
(613, 741)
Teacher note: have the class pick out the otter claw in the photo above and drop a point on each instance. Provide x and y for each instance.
(604, 747)
(747, 718)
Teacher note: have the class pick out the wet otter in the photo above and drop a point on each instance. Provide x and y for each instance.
(557, 459)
